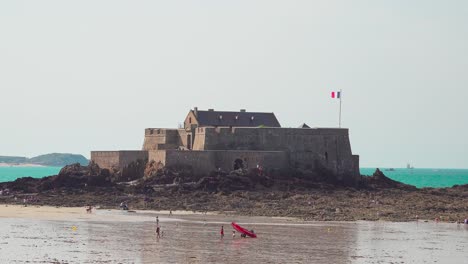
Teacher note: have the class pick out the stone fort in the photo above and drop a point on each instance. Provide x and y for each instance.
(226, 140)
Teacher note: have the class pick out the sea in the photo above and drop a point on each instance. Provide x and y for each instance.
(421, 178)
(13, 173)
(418, 177)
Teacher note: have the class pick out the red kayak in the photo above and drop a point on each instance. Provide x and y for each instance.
(242, 230)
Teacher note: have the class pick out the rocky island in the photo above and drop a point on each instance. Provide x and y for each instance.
(241, 163)
(51, 159)
(298, 193)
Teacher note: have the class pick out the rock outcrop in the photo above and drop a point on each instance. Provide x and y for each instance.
(378, 180)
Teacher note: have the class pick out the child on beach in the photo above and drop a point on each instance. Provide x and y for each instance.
(233, 234)
(158, 232)
(222, 231)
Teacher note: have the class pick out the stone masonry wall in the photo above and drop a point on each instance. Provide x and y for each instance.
(200, 161)
(250, 159)
(325, 147)
(157, 155)
(218, 148)
(161, 138)
(267, 139)
(106, 159)
(203, 162)
(128, 156)
(117, 159)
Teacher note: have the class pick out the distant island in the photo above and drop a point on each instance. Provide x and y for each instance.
(52, 159)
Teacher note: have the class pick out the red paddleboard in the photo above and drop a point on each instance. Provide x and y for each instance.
(242, 230)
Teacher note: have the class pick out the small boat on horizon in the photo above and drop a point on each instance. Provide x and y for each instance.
(408, 166)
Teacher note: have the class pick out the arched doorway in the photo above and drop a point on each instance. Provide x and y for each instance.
(238, 164)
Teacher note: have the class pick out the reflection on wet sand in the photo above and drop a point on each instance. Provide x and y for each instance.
(189, 239)
(196, 243)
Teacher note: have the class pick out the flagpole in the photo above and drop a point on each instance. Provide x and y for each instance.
(339, 122)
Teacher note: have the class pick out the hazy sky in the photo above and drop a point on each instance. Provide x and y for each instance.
(91, 75)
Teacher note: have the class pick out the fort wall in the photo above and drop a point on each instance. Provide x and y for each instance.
(267, 139)
(203, 162)
(208, 148)
(308, 148)
(161, 138)
(117, 159)
(106, 159)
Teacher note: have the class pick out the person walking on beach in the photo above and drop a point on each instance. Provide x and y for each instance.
(233, 234)
(222, 231)
(158, 230)
(157, 221)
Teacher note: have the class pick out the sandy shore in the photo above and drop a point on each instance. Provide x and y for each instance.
(80, 214)
(20, 165)
(69, 235)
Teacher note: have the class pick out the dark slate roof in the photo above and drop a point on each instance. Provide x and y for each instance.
(236, 119)
(304, 125)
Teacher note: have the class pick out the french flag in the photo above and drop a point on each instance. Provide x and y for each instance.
(336, 94)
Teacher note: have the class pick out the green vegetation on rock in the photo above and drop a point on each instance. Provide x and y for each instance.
(52, 159)
(11, 159)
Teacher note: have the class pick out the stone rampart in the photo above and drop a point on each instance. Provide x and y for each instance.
(117, 159)
(106, 159)
(266, 139)
(308, 148)
(203, 162)
(161, 138)
(219, 147)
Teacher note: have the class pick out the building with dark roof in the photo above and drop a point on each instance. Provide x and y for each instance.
(211, 118)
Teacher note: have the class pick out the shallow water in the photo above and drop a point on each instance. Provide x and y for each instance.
(195, 239)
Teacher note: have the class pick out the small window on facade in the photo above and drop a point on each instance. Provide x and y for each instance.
(237, 117)
(252, 118)
(190, 120)
(220, 117)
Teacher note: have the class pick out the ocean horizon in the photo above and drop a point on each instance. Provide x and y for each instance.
(420, 177)
(424, 177)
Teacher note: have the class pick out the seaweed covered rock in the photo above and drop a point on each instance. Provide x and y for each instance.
(156, 173)
(77, 176)
(378, 180)
(25, 185)
(77, 169)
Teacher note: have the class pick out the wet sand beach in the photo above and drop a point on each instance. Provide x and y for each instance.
(70, 235)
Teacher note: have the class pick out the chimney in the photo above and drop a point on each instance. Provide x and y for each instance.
(195, 111)
(211, 109)
(242, 110)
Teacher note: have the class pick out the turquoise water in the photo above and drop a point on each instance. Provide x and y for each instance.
(417, 177)
(424, 177)
(12, 173)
